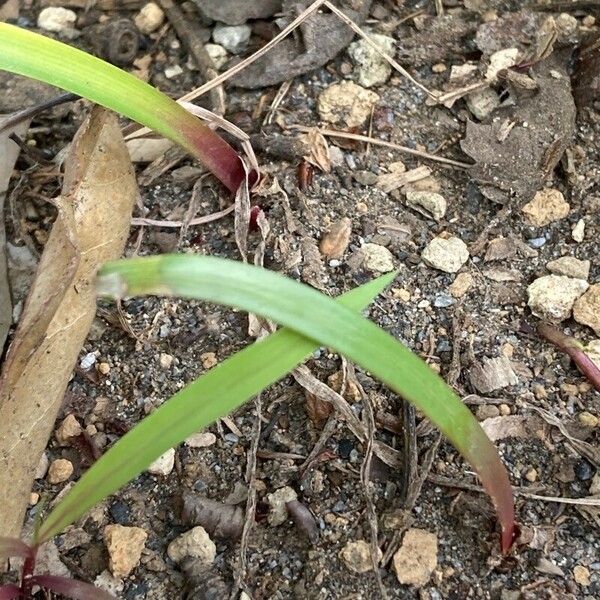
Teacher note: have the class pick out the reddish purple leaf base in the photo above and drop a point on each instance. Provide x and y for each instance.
(8, 592)
(78, 590)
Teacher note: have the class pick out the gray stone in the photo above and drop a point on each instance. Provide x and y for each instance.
(569, 266)
(552, 297)
(233, 38)
(195, 543)
(372, 68)
(446, 254)
(376, 258)
(434, 204)
(483, 103)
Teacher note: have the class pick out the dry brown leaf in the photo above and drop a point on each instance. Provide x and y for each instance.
(94, 211)
(318, 154)
(318, 410)
(8, 156)
(335, 241)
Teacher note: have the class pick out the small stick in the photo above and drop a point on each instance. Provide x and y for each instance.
(377, 142)
(574, 348)
(139, 221)
(186, 33)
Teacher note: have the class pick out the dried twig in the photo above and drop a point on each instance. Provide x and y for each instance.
(377, 142)
(197, 221)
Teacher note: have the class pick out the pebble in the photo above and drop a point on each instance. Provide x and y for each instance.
(372, 68)
(68, 429)
(581, 575)
(201, 440)
(401, 294)
(42, 467)
(173, 71)
(584, 470)
(277, 500)
(195, 543)
(165, 360)
(346, 103)
(578, 232)
(88, 361)
(60, 470)
(460, 286)
(217, 54)
(56, 19)
(483, 103)
(552, 297)
(492, 374)
(124, 545)
(587, 308)
(546, 207)
(105, 581)
(487, 411)
(502, 59)
(595, 485)
(434, 204)
(416, 559)
(233, 38)
(446, 254)
(537, 242)
(531, 475)
(104, 368)
(208, 360)
(569, 266)
(357, 556)
(376, 258)
(587, 419)
(150, 18)
(164, 464)
(34, 498)
(443, 300)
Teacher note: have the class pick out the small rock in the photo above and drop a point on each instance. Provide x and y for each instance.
(552, 297)
(531, 475)
(165, 360)
(42, 467)
(56, 19)
(578, 233)
(195, 543)
(150, 18)
(60, 470)
(201, 440)
(587, 419)
(581, 575)
(335, 241)
(595, 485)
(357, 556)
(546, 207)
(34, 498)
(208, 359)
(446, 254)
(105, 581)
(372, 68)
(375, 258)
(346, 103)
(277, 500)
(68, 429)
(217, 54)
(443, 300)
(416, 559)
(493, 374)
(587, 309)
(104, 368)
(124, 545)
(483, 103)
(487, 411)
(164, 464)
(434, 204)
(459, 74)
(88, 361)
(459, 287)
(569, 266)
(401, 294)
(173, 71)
(233, 38)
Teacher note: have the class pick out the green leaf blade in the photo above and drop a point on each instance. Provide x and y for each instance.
(199, 404)
(32, 55)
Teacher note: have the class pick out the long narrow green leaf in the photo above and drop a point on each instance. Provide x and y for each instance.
(199, 404)
(42, 58)
(329, 323)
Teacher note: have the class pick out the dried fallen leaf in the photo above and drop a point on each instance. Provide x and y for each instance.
(336, 240)
(94, 211)
(318, 154)
(492, 374)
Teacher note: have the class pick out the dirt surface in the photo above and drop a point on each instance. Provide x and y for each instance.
(137, 357)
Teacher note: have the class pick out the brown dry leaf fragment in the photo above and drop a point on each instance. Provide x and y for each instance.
(318, 410)
(313, 270)
(94, 211)
(218, 519)
(500, 249)
(335, 241)
(318, 149)
(492, 374)
(9, 151)
(500, 275)
(510, 426)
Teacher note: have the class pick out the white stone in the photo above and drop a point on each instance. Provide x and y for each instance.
(346, 103)
(357, 556)
(233, 38)
(482, 103)
(88, 361)
(56, 19)
(195, 543)
(434, 204)
(173, 71)
(376, 258)
(446, 254)
(416, 559)
(217, 53)
(201, 440)
(164, 464)
(42, 467)
(503, 59)
(569, 266)
(372, 68)
(277, 500)
(578, 233)
(150, 18)
(552, 297)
